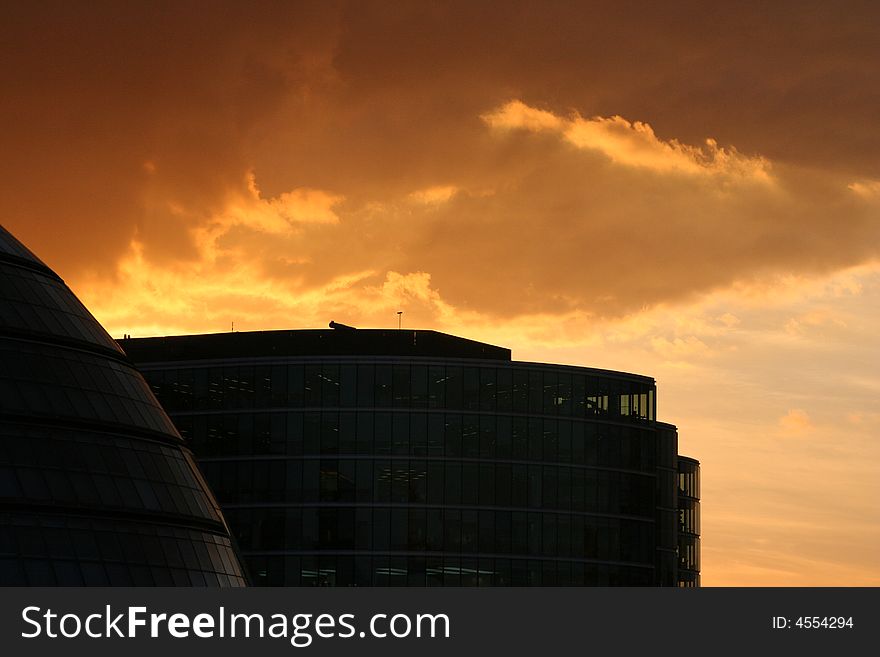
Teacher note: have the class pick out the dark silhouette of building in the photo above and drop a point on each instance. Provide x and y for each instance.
(400, 457)
(688, 522)
(96, 486)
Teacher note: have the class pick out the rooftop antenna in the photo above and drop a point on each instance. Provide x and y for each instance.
(399, 319)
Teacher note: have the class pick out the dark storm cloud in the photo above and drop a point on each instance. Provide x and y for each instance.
(145, 123)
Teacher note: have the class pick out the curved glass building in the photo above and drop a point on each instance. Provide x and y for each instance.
(415, 458)
(96, 485)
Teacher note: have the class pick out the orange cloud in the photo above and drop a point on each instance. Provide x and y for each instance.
(631, 143)
(868, 189)
(797, 421)
(434, 195)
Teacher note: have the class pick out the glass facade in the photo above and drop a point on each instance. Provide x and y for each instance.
(418, 471)
(688, 522)
(96, 485)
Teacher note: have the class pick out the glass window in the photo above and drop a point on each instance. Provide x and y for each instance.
(329, 385)
(382, 433)
(365, 385)
(535, 486)
(451, 530)
(382, 387)
(503, 475)
(417, 527)
(436, 386)
(487, 484)
(574, 480)
(419, 386)
(548, 535)
(365, 433)
(401, 386)
(312, 386)
(471, 394)
(329, 480)
(453, 483)
(520, 438)
(311, 480)
(470, 436)
(550, 393)
(487, 436)
(536, 392)
(347, 433)
(536, 439)
(470, 483)
(311, 433)
(519, 486)
(435, 482)
(469, 532)
(504, 437)
(418, 434)
(399, 481)
(452, 435)
(348, 388)
(381, 529)
(382, 475)
(519, 533)
(294, 427)
(436, 431)
(504, 391)
(399, 529)
(434, 529)
(295, 385)
(487, 532)
(363, 537)
(400, 433)
(520, 392)
(364, 481)
(418, 485)
(550, 441)
(549, 487)
(293, 481)
(625, 409)
(487, 389)
(453, 387)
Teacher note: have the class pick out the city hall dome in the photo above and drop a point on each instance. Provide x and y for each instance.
(97, 488)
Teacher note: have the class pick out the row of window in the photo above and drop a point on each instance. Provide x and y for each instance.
(366, 570)
(486, 388)
(45, 379)
(688, 553)
(454, 435)
(38, 549)
(688, 579)
(413, 481)
(688, 516)
(66, 572)
(110, 453)
(381, 529)
(79, 489)
(688, 523)
(688, 479)
(33, 301)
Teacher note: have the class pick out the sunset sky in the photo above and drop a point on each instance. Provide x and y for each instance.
(686, 192)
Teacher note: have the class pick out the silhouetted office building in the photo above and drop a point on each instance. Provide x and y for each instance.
(96, 486)
(412, 458)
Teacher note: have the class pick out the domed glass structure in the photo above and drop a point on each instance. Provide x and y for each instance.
(96, 485)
